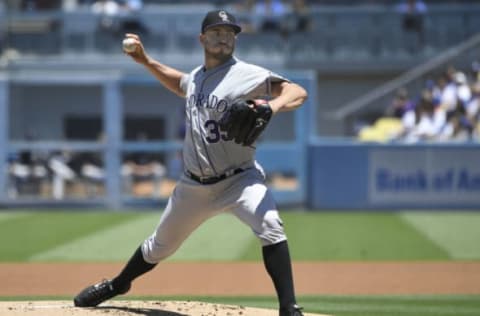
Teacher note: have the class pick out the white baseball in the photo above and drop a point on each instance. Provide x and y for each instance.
(129, 45)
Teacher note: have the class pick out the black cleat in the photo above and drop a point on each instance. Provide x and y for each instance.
(292, 310)
(98, 293)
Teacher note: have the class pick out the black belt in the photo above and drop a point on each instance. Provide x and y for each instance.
(214, 179)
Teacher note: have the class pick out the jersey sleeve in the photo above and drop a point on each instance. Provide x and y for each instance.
(265, 88)
(184, 82)
(257, 81)
(274, 77)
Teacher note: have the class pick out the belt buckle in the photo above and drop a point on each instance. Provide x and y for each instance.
(203, 179)
(229, 173)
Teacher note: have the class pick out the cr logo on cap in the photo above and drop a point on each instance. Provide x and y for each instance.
(223, 15)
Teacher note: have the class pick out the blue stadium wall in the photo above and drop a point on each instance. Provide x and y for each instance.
(348, 175)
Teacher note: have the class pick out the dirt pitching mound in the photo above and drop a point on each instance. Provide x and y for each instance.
(132, 308)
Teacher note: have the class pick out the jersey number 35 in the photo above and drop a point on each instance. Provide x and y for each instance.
(214, 132)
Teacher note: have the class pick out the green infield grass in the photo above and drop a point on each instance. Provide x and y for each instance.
(76, 236)
(88, 236)
(374, 305)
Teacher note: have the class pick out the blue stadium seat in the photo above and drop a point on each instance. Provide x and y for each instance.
(321, 21)
(39, 33)
(472, 22)
(79, 31)
(3, 29)
(261, 44)
(393, 43)
(158, 29)
(353, 36)
(445, 29)
(304, 48)
(188, 27)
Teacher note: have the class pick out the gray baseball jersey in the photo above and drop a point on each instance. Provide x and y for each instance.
(207, 152)
(208, 95)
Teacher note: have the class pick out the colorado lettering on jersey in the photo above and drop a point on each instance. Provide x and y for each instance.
(208, 101)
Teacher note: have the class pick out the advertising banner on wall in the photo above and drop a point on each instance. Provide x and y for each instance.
(424, 176)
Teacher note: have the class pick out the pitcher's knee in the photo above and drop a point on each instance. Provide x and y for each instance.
(155, 251)
(272, 231)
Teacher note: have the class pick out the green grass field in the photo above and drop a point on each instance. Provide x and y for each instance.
(73, 236)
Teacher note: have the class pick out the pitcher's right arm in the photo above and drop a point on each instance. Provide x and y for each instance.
(169, 77)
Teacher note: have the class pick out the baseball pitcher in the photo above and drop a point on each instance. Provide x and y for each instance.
(228, 103)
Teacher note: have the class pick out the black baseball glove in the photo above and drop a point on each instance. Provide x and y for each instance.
(245, 120)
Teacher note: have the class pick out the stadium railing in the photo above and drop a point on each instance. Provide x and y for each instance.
(339, 34)
(460, 56)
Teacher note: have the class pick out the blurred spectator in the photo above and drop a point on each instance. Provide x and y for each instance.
(413, 12)
(244, 12)
(28, 174)
(445, 92)
(472, 106)
(118, 16)
(424, 122)
(70, 5)
(143, 167)
(457, 128)
(271, 15)
(105, 7)
(476, 71)
(301, 17)
(448, 109)
(463, 89)
(400, 104)
(62, 173)
(131, 23)
(40, 5)
(89, 166)
(452, 87)
(28, 170)
(409, 119)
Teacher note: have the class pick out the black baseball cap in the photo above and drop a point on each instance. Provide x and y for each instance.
(220, 17)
